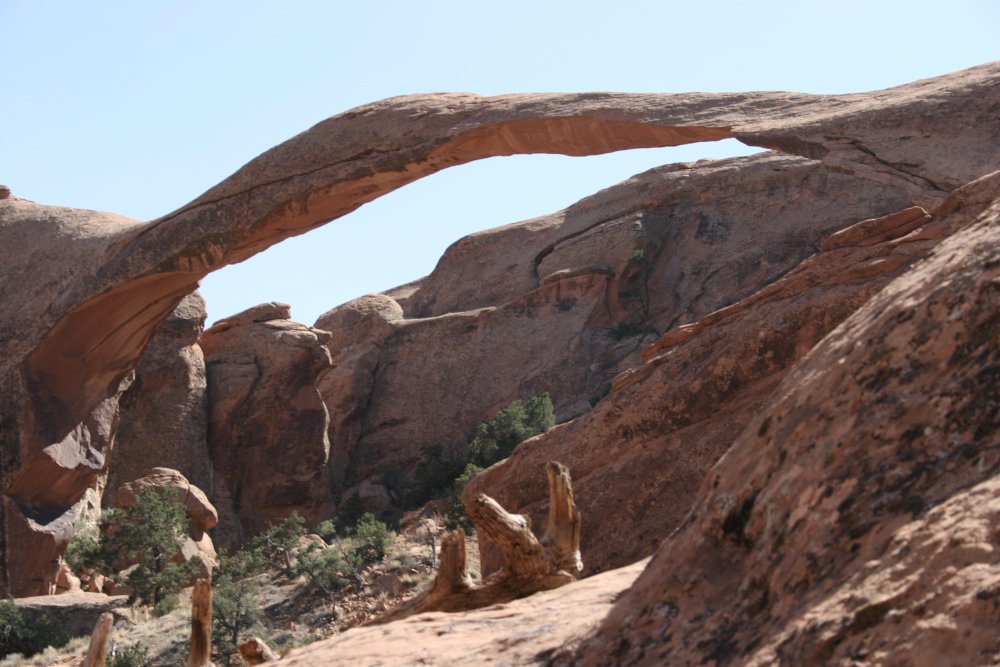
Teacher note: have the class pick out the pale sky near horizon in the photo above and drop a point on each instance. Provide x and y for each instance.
(139, 107)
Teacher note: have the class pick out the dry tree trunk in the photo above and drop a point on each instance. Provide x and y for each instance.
(199, 653)
(97, 652)
(530, 564)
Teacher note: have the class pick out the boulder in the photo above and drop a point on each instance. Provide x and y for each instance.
(74, 614)
(200, 511)
(66, 581)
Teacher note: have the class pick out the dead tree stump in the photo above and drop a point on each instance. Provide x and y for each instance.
(97, 652)
(200, 651)
(530, 564)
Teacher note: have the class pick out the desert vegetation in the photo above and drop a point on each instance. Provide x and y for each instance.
(440, 475)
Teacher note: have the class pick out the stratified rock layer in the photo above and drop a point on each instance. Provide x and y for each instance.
(647, 446)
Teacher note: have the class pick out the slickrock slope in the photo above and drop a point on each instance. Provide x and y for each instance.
(523, 632)
(856, 518)
(83, 292)
(267, 424)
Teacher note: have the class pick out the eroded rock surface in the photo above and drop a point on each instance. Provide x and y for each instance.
(267, 423)
(645, 448)
(164, 414)
(856, 517)
(523, 632)
(581, 292)
(78, 308)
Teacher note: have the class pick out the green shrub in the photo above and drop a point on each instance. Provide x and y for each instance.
(327, 530)
(149, 533)
(19, 634)
(349, 512)
(455, 516)
(235, 605)
(134, 655)
(84, 548)
(324, 569)
(372, 540)
(434, 474)
(496, 439)
(275, 545)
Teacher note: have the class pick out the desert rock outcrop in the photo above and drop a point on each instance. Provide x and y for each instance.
(646, 447)
(522, 632)
(164, 413)
(267, 423)
(582, 291)
(856, 516)
(79, 307)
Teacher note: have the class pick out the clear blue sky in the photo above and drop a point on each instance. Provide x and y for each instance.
(139, 106)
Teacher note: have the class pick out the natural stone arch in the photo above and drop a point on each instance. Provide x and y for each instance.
(67, 349)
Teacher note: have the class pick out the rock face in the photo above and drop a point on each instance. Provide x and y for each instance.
(580, 291)
(267, 423)
(700, 386)
(856, 516)
(74, 614)
(164, 414)
(83, 292)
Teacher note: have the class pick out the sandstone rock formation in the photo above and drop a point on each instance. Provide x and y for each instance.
(581, 291)
(79, 307)
(530, 564)
(700, 386)
(164, 414)
(856, 517)
(267, 423)
(74, 614)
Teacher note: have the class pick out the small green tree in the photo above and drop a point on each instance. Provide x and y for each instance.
(275, 545)
(434, 474)
(235, 604)
(372, 540)
(84, 548)
(133, 655)
(456, 517)
(349, 512)
(324, 569)
(149, 533)
(496, 439)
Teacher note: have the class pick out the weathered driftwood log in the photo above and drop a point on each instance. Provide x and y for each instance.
(530, 564)
(97, 652)
(200, 651)
(255, 652)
